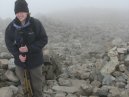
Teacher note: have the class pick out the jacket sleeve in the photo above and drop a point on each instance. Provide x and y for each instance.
(9, 41)
(41, 38)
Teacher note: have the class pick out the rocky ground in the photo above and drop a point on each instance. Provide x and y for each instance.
(103, 75)
(88, 60)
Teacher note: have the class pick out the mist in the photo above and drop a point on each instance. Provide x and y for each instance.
(52, 6)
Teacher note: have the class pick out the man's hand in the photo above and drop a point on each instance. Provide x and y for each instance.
(22, 58)
(23, 49)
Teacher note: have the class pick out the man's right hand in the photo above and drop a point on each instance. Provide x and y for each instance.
(22, 58)
(23, 49)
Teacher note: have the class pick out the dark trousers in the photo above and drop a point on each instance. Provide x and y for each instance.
(37, 79)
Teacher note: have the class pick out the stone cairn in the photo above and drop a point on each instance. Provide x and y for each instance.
(107, 76)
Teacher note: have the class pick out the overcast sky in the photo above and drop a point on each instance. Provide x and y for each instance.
(50, 6)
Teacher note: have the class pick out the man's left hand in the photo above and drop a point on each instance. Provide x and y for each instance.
(23, 49)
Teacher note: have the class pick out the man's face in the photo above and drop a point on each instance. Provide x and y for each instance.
(21, 16)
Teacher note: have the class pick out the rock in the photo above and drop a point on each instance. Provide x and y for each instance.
(11, 76)
(96, 83)
(3, 84)
(5, 55)
(11, 64)
(78, 83)
(96, 75)
(48, 71)
(103, 92)
(6, 92)
(85, 75)
(2, 75)
(113, 52)
(125, 93)
(79, 71)
(9, 83)
(116, 73)
(122, 50)
(65, 89)
(14, 89)
(114, 92)
(87, 89)
(64, 82)
(127, 60)
(121, 79)
(108, 80)
(99, 63)
(48, 95)
(120, 84)
(51, 83)
(122, 68)
(46, 56)
(60, 95)
(71, 95)
(52, 65)
(127, 86)
(110, 67)
(95, 90)
(3, 63)
(4, 66)
(121, 58)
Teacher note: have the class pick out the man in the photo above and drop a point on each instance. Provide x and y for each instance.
(25, 37)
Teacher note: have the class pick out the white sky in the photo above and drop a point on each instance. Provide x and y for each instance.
(49, 6)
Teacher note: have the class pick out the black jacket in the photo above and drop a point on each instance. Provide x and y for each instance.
(33, 35)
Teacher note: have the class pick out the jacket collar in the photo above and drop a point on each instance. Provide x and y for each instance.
(17, 23)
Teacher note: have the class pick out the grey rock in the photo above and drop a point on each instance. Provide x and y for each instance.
(87, 89)
(121, 57)
(46, 56)
(60, 95)
(96, 83)
(6, 92)
(65, 89)
(114, 92)
(11, 64)
(93, 96)
(121, 50)
(64, 82)
(79, 71)
(101, 92)
(78, 83)
(4, 63)
(125, 93)
(116, 73)
(99, 64)
(14, 89)
(108, 80)
(122, 67)
(71, 95)
(120, 84)
(96, 75)
(5, 55)
(107, 68)
(121, 79)
(11, 76)
(127, 60)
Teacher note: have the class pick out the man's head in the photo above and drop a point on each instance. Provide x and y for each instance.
(21, 9)
(21, 6)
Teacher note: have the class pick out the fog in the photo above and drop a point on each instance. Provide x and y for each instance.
(52, 6)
